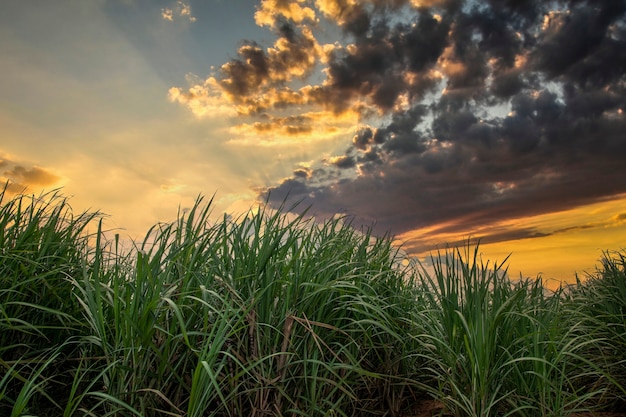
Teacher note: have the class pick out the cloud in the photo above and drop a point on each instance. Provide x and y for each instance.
(20, 177)
(465, 114)
(293, 130)
(180, 9)
(619, 219)
(167, 14)
(270, 12)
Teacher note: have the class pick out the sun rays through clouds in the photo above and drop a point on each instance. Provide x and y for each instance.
(457, 116)
(432, 120)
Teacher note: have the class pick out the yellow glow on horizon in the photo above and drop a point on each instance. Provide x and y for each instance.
(574, 245)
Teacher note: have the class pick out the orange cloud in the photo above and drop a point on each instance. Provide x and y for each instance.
(619, 219)
(270, 11)
(293, 56)
(336, 10)
(19, 178)
(286, 130)
(273, 98)
(288, 59)
(342, 11)
(204, 100)
(258, 79)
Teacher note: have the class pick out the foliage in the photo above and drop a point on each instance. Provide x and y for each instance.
(274, 314)
(497, 347)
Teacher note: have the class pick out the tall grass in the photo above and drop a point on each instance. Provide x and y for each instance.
(42, 246)
(466, 308)
(599, 305)
(269, 314)
(497, 347)
(250, 316)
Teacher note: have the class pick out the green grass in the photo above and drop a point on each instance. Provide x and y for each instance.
(275, 314)
(498, 347)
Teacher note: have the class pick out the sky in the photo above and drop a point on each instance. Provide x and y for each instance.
(432, 121)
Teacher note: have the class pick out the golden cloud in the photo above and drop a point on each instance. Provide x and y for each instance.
(167, 14)
(31, 176)
(18, 178)
(272, 98)
(204, 100)
(259, 86)
(335, 10)
(270, 10)
(181, 9)
(426, 3)
(289, 130)
(288, 60)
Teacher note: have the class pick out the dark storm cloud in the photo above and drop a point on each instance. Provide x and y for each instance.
(577, 43)
(292, 56)
(400, 136)
(420, 44)
(367, 71)
(473, 111)
(364, 138)
(243, 76)
(383, 54)
(507, 83)
(301, 173)
(343, 161)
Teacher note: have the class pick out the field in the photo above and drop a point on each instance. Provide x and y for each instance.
(275, 315)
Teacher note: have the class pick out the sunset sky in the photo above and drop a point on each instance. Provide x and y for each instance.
(433, 120)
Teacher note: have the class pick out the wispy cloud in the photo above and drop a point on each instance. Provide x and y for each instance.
(179, 10)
